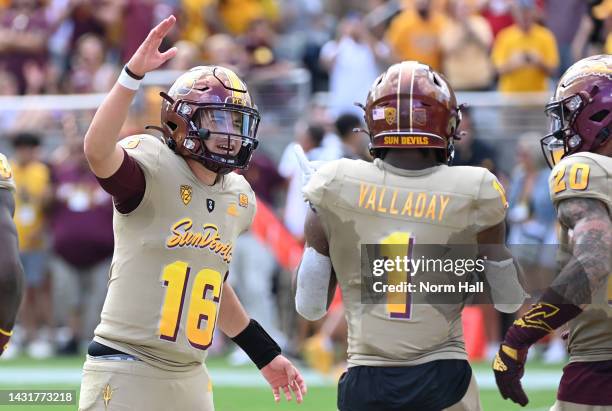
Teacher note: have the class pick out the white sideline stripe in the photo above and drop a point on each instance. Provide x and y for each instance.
(535, 380)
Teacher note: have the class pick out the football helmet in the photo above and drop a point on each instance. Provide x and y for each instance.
(211, 103)
(580, 112)
(412, 106)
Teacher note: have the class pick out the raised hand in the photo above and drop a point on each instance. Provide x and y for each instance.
(148, 57)
(281, 374)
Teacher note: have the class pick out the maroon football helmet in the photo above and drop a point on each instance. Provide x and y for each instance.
(580, 112)
(412, 106)
(211, 103)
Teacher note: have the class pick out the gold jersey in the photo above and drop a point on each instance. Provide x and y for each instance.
(587, 175)
(6, 174)
(171, 258)
(372, 203)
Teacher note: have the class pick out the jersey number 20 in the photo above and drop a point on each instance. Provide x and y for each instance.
(176, 278)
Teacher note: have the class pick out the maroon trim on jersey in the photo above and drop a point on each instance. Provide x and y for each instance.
(127, 185)
(587, 383)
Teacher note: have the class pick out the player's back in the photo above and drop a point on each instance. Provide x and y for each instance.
(587, 175)
(375, 203)
(171, 258)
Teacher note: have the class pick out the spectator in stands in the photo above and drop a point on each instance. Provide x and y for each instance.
(352, 60)
(32, 181)
(466, 43)
(222, 49)
(137, 19)
(309, 136)
(471, 150)
(90, 72)
(237, 15)
(414, 34)
(354, 142)
(196, 19)
(603, 12)
(187, 56)
(82, 236)
(531, 219)
(525, 54)
(563, 18)
(594, 28)
(499, 15)
(8, 87)
(23, 38)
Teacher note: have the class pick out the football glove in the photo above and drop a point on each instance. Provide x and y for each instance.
(509, 367)
(307, 167)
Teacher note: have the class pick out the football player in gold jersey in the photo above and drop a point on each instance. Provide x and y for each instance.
(178, 211)
(403, 354)
(580, 148)
(11, 271)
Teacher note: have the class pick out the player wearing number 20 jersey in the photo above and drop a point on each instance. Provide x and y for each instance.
(580, 148)
(402, 356)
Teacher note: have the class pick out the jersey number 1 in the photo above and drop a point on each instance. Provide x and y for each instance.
(175, 278)
(399, 304)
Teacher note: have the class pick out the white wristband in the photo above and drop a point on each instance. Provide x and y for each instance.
(128, 81)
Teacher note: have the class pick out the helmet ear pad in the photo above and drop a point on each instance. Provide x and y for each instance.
(176, 127)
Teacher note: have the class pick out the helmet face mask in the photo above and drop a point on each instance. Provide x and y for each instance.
(580, 112)
(208, 116)
(562, 139)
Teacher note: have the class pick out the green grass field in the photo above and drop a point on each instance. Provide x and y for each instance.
(251, 395)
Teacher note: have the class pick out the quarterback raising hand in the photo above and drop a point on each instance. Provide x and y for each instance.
(168, 294)
(103, 153)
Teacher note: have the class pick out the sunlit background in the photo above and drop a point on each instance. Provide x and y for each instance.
(306, 63)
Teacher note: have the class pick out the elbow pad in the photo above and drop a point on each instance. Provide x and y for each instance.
(313, 285)
(507, 292)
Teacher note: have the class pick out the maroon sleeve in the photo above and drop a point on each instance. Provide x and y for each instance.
(127, 185)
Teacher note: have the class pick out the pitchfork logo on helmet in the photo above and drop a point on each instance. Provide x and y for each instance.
(208, 115)
(580, 112)
(412, 106)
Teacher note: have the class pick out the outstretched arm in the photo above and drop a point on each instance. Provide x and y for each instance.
(101, 149)
(11, 271)
(260, 347)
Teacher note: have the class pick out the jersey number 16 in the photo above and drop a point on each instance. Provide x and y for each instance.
(175, 278)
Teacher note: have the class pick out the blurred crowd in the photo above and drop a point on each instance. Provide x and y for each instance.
(64, 219)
